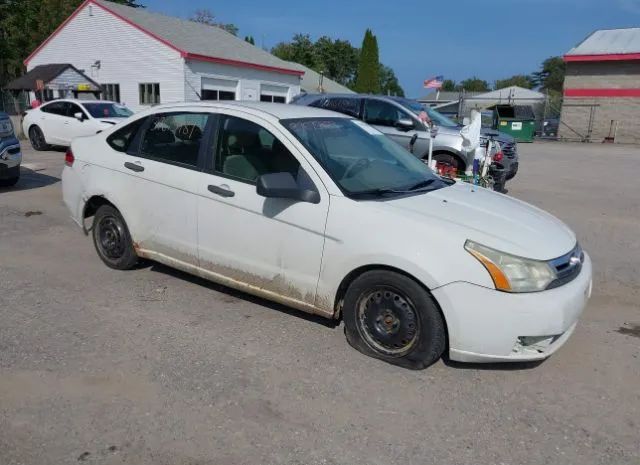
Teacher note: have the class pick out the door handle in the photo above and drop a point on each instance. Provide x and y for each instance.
(134, 167)
(221, 191)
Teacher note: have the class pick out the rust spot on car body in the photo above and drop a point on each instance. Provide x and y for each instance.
(275, 288)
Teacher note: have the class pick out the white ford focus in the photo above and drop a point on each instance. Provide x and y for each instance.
(324, 213)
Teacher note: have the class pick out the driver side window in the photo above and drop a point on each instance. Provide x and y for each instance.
(246, 151)
(380, 113)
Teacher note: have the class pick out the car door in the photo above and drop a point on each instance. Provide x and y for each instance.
(162, 173)
(263, 245)
(384, 116)
(50, 119)
(72, 127)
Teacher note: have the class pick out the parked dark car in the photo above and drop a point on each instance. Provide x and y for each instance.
(10, 154)
(550, 127)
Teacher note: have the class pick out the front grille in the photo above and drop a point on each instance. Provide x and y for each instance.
(567, 267)
(509, 149)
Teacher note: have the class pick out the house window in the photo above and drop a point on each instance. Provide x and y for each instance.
(218, 89)
(111, 92)
(272, 98)
(208, 94)
(276, 94)
(149, 93)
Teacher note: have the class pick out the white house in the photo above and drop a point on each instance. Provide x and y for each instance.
(142, 58)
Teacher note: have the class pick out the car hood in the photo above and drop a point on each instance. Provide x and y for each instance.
(463, 211)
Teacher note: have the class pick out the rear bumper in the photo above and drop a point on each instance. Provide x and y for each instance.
(486, 325)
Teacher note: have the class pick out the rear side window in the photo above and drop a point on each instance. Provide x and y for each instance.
(346, 106)
(121, 139)
(174, 138)
(56, 108)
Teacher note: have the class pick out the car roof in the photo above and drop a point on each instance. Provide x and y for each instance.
(275, 110)
(72, 100)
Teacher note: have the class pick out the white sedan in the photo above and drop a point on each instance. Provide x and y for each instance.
(60, 121)
(325, 214)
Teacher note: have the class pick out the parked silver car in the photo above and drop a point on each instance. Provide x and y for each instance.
(397, 117)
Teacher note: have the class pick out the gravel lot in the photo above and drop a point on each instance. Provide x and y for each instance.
(156, 367)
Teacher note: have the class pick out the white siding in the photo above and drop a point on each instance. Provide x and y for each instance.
(68, 78)
(249, 80)
(128, 56)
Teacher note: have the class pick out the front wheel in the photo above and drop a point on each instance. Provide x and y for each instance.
(112, 239)
(391, 317)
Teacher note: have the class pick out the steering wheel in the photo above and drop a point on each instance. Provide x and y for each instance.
(355, 167)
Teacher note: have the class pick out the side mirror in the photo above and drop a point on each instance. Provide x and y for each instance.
(284, 186)
(79, 116)
(405, 124)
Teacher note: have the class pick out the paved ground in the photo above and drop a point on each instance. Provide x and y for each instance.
(156, 367)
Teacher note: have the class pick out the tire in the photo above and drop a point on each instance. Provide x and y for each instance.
(112, 240)
(10, 182)
(450, 160)
(36, 137)
(391, 317)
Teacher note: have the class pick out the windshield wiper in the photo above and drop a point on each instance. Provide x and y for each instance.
(419, 187)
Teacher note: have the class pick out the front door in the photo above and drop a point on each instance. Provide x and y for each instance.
(73, 127)
(263, 245)
(384, 116)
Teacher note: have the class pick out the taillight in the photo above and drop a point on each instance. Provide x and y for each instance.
(69, 158)
(498, 157)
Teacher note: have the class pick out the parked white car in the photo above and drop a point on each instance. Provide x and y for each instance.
(60, 121)
(323, 213)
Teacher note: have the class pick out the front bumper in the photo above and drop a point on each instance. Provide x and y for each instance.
(10, 159)
(486, 325)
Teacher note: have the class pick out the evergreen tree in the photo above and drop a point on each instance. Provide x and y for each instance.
(250, 40)
(368, 77)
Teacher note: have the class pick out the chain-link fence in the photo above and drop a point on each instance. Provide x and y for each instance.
(12, 102)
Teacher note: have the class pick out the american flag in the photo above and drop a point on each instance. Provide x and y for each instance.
(434, 83)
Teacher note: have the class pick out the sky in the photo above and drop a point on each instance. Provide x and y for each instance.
(491, 39)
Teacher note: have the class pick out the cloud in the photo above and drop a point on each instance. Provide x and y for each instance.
(632, 6)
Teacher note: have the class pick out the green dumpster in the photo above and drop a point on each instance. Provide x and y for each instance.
(518, 121)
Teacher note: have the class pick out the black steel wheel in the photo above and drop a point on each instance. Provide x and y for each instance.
(388, 321)
(112, 239)
(390, 316)
(36, 137)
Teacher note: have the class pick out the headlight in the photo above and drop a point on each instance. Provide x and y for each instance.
(511, 273)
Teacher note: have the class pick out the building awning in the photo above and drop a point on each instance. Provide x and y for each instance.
(64, 74)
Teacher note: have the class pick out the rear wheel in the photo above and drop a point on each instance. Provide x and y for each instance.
(391, 317)
(36, 137)
(112, 239)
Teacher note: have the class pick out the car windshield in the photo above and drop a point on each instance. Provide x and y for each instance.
(362, 160)
(416, 107)
(107, 110)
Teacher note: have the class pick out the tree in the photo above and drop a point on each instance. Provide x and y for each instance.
(449, 86)
(300, 50)
(206, 16)
(368, 77)
(250, 40)
(474, 84)
(389, 84)
(519, 80)
(551, 74)
(338, 59)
